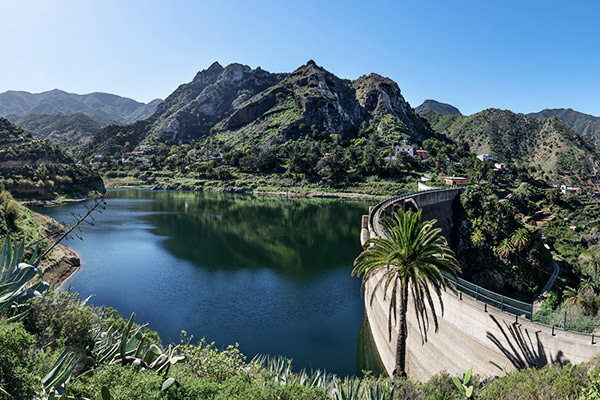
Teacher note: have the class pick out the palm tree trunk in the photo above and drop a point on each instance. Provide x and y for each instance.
(400, 370)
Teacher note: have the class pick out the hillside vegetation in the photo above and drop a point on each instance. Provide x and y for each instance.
(545, 144)
(65, 131)
(34, 169)
(584, 124)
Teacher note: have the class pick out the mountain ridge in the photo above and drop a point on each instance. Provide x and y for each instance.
(549, 144)
(585, 124)
(238, 105)
(56, 101)
(66, 131)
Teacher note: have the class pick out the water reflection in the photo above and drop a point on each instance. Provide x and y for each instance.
(270, 273)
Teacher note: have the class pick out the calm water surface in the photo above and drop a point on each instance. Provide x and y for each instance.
(270, 273)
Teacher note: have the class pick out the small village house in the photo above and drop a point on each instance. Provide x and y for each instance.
(424, 154)
(456, 181)
(486, 157)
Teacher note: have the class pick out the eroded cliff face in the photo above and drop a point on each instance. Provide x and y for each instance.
(253, 106)
(313, 99)
(194, 108)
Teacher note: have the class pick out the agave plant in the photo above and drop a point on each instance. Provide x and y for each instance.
(16, 280)
(349, 389)
(60, 374)
(130, 346)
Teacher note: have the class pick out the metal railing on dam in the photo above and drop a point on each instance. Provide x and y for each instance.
(563, 320)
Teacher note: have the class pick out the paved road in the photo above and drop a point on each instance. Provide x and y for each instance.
(538, 302)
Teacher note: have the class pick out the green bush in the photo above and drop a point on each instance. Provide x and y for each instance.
(124, 382)
(548, 383)
(440, 387)
(206, 361)
(60, 317)
(245, 387)
(16, 371)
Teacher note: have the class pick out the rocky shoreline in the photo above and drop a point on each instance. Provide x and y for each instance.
(62, 262)
(61, 265)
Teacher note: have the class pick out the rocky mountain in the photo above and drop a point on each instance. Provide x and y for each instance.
(548, 143)
(584, 124)
(65, 131)
(103, 105)
(239, 105)
(437, 107)
(34, 169)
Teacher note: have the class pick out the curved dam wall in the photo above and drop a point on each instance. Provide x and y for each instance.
(471, 334)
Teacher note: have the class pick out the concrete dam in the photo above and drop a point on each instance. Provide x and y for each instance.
(479, 329)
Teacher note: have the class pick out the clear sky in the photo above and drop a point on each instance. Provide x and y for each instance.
(523, 55)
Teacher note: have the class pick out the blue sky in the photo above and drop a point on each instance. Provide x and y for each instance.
(522, 55)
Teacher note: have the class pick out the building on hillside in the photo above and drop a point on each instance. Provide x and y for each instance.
(424, 154)
(456, 181)
(409, 149)
(499, 166)
(564, 189)
(486, 157)
(143, 147)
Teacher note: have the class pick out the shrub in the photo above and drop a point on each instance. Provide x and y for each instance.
(440, 387)
(206, 361)
(16, 375)
(124, 382)
(548, 383)
(13, 211)
(60, 317)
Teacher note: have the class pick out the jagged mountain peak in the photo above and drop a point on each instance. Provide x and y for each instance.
(253, 105)
(216, 66)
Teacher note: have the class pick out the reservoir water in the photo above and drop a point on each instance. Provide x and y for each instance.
(270, 273)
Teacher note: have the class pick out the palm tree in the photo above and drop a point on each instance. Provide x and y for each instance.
(478, 237)
(413, 258)
(520, 239)
(505, 248)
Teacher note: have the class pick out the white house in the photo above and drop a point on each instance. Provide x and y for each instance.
(486, 157)
(409, 149)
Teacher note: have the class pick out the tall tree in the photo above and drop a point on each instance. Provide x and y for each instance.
(412, 259)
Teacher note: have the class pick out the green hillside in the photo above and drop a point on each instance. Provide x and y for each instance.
(65, 131)
(548, 145)
(584, 124)
(34, 169)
